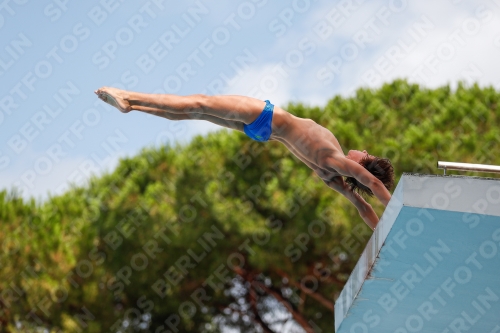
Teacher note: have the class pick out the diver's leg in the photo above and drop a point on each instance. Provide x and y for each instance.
(231, 124)
(239, 108)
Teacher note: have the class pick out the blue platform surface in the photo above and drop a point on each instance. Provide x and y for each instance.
(433, 262)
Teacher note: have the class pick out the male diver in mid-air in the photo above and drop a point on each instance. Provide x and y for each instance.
(313, 144)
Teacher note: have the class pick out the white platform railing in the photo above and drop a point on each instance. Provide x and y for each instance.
(468, 167)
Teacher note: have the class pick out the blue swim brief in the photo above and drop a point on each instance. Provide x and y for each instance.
(260, 129)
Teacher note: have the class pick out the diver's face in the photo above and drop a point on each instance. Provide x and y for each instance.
(356, 155)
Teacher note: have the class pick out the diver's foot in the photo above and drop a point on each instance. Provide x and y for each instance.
(114, 97)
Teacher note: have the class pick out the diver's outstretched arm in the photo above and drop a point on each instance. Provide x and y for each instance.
(365, 210)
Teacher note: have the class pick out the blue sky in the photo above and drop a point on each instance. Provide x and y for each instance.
(54, 54)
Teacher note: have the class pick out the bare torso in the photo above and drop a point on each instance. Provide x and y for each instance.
(307, 140)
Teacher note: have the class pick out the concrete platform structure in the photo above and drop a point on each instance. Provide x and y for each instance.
(433, 262)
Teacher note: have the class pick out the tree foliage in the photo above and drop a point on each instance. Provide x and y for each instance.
(224, 231)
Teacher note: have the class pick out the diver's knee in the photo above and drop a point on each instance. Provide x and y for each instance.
(199, 101)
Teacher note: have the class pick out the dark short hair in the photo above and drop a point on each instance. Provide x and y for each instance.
(380, 168)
